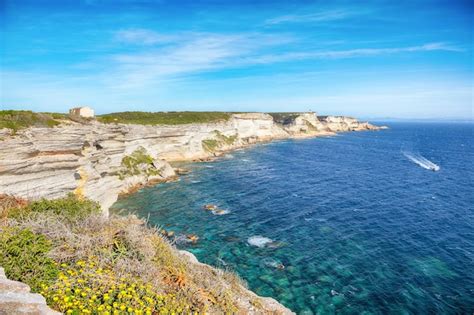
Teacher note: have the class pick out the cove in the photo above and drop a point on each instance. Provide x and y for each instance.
(344, 224)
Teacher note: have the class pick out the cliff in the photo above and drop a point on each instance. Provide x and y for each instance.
(100, 161)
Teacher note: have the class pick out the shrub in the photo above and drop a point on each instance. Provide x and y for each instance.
(8, 202)
(19, 119)
(111, 265)
(85, 288)
(163, 118)
(210, 145)
(139, 162)
(23, 255)
(70, 208)
(225, 139)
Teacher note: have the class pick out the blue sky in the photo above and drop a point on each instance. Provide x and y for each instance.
(374, 59)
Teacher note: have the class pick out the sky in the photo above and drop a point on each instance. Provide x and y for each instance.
(369, 59)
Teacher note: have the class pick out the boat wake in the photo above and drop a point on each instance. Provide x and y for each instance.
(421, 161)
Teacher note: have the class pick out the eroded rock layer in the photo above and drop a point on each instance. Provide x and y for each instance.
(101, 161)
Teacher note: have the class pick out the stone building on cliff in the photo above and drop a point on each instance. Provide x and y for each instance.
(85, 112)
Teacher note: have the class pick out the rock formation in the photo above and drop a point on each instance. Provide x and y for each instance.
(101, 161)
(16, 299)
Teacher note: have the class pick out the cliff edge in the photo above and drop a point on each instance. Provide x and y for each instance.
(100, 161)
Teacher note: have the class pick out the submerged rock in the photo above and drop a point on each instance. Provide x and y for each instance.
(210, 207)
(259, 241)
(192, 237)
(220, 212)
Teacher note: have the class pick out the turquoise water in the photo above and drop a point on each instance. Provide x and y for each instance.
(348, 224)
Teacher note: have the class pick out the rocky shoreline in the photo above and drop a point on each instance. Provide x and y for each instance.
(102, 161)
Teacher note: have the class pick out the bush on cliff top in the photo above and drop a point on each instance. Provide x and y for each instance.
(163, 118)
(104, 265)
(19, 119)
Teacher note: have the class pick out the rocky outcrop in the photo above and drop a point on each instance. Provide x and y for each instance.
(100, 161)
(16, 299)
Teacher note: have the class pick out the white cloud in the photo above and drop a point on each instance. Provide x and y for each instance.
(142, 37)
(352, 53)
(324, 16)
(193, 53)
(207, 52)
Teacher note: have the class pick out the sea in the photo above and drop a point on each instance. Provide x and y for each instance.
(376, 222)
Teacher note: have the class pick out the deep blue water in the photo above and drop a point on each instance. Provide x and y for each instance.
(357, 225)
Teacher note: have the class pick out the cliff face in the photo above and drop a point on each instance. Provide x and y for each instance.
(100, 161)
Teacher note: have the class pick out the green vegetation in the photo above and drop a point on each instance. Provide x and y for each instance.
(225, 139)
(69, 208)
(139, 162)
(23, 255)
(163, 118)
(84, 263)
(19, 119)
(57, 115)
(310, 126)
(211, 145)
(284, 118)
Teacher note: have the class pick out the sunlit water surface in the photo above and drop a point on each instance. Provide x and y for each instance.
(355, 224)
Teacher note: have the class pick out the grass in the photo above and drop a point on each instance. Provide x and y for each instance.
(85, 263)
(20, 119)
(163, 118)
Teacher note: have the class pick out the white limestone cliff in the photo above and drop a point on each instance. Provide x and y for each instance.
(100, 161)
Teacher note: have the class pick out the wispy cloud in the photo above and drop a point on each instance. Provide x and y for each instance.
(198, 52)
(142, 37)
(324, 16)
(352, 53)
(211, 52)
